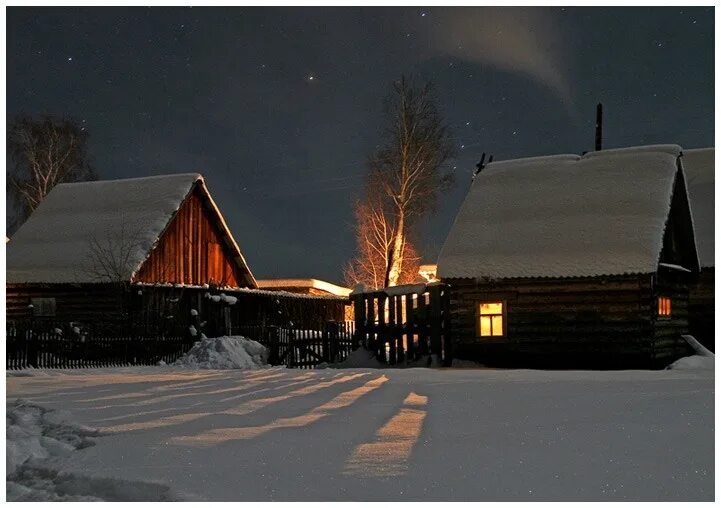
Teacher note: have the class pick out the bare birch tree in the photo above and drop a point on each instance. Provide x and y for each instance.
(405, 178)
(374, 237)
(43, 153)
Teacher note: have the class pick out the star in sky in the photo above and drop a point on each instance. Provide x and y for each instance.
(132, 54)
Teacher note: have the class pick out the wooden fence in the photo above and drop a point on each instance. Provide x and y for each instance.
(405, 324)
(57, 350)
(303, 348)
(160, 310)
(63, 346)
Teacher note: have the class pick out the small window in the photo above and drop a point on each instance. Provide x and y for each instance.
(490, 319)
(43, 307)
(664, 306)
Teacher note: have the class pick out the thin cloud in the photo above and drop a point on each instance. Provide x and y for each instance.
(525, 41)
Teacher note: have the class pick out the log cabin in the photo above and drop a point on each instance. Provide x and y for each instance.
(573, 261)
(121, 252)
(698, 166)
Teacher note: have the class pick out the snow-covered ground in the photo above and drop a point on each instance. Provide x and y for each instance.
(374, 434)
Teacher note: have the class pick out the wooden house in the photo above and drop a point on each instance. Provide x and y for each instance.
(698, 166)
(121, 251)
(573, 261)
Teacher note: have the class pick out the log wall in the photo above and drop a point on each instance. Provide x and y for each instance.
(668, 343)
(701, 308)
(74, 302)
(167, 310)
(596, 322)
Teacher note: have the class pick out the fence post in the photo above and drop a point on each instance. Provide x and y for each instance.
(382, 334)
(335, 341)
(32, 349)
(446, 327)
(435, 317)
(291, 361)
(273, 354)
(422, 324)
(391, 335)
(409, 327)
(325, 335)
(400, 323)
(359, 315)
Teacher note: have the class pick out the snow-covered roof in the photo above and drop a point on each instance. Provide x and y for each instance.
(320, 285)
(251, 291)
(698, 165)
(428, 272)
(672, 266)
(126, 217)
(603, 213)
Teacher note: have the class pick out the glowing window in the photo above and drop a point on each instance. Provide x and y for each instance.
(490, 319)
(664, 306)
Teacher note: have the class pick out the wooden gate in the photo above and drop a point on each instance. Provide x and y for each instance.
(405, 324)
(302, 348)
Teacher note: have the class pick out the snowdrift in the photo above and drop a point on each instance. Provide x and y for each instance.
(39, 439)
(695, 362)
(359, 359)
(34, 436)
(34, 432)
(703, 359)
(233, 352)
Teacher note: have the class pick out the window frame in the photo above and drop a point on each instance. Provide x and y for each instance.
(44, 307)
(503, 314)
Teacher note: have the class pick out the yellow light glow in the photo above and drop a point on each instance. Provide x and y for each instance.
(256, 404)
(388, 454)
(491, 308)
(485, 326)
(497, 322)
(218, 436)
(490, 319)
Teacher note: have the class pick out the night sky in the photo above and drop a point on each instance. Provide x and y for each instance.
(279, 108)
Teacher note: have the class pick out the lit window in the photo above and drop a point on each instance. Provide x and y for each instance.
(664, 306)
(490, 316)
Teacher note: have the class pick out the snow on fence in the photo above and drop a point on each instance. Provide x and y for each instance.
(303, 348)
(57, 350)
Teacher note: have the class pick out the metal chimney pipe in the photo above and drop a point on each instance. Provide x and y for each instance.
(599, 126)
(480, 164)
